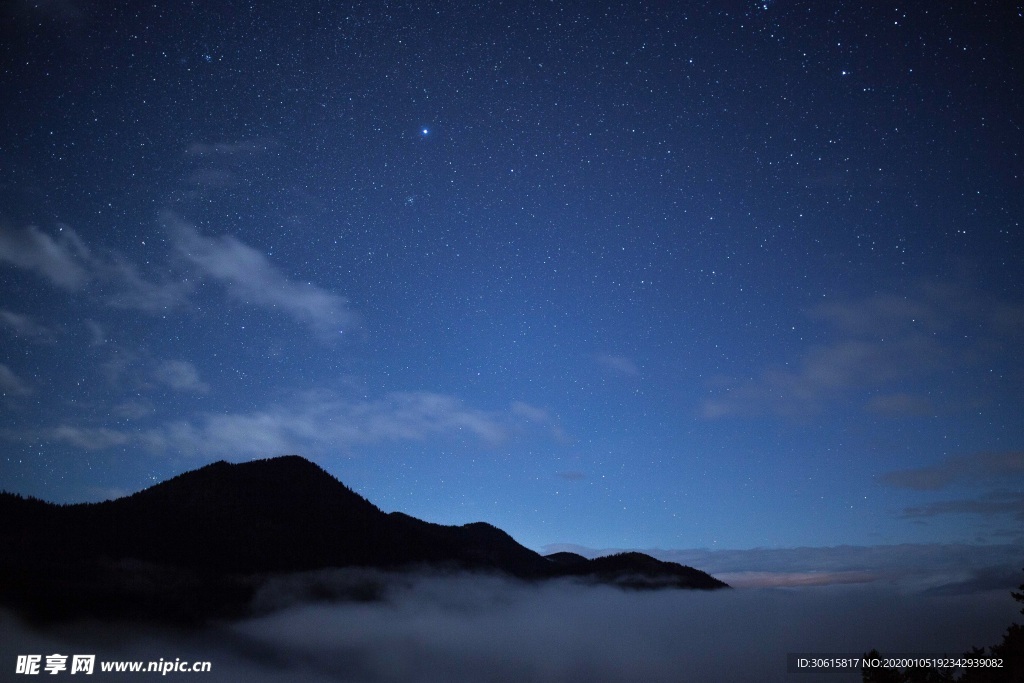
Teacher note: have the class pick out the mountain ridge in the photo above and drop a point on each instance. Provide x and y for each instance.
(216, 531)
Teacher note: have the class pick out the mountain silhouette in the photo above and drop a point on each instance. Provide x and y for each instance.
(200, 544)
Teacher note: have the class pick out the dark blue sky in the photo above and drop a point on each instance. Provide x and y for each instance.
(723, 275)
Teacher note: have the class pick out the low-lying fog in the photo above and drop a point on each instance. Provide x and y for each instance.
(488, 629)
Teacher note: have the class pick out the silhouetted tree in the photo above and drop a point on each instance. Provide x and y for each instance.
(878, 674)
(1010, 651)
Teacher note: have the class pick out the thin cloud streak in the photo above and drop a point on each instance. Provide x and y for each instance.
(981, 467)
(620, 365)
(26, 327)
(991, 504)
(313, 423)
(319, 422)
(913, 566)
(61, 261)
(66, 263)
(87, 438)
(221, 165)
(984, 475)
(181, 376)
(11, 384)
(877, 344)
(251, 278)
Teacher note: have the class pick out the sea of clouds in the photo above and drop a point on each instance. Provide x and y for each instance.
(429, 627)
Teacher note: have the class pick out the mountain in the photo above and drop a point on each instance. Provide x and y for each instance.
(635, 570)
(200, 544)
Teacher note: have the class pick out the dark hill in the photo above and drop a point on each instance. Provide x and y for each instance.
(566, 558)
(197, 545)
(637, 570)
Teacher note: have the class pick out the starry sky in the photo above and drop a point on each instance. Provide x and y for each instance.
(682, 275)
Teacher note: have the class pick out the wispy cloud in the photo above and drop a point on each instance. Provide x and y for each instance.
(824, 374)
(133, 409)
(180, 375)
(65, 262)
(320, 421)
(314, 422)
(534, 415)
(223, 164)
(26, 327)
(619, 365)
(913, 566)
(984, 477)
(530, 413)
(982, 467)
(249, 276)
(901, 404)
(62, 261)
(127, 288)
(991, 504)
(11, 384)
(879, 345)
(87, 438)
(97, 336)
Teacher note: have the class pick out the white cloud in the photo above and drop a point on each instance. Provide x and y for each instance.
(97, 336)
(180, 375)
(900, 403)
(484, 628)
(27, 327)
(824, 374)
(620, 365)
(250, 277)
(875, 344)
(530, 413)
(108, 276)
(88, 438)
(133, 409)
(130, 290)
(67, 263)
(62, 261)
(320, 421)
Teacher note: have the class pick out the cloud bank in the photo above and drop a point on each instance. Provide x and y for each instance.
(430, 629)
(909, 566)
(879, 345)
(993, 482)
(312, 422)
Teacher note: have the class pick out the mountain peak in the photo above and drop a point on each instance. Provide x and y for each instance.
(222, 526)
(295, 463)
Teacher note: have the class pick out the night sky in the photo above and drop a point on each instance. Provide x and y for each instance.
(679, 275)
